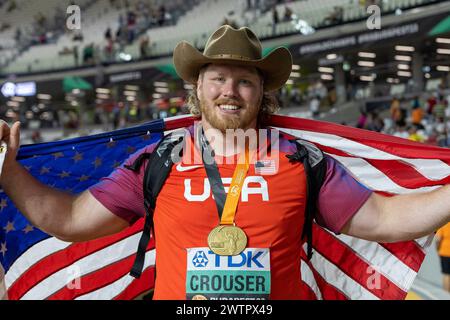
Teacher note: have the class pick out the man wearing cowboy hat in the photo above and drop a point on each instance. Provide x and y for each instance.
(263, 212)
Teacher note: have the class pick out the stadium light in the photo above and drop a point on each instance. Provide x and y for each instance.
(331, 56)
(325, 70)
(131, 98)
(102, 90)
(404, 73)
(443, 68)
(13, 104)
(326, 77)
(403, 66)
(404, 48)
(392, 80)
(402, 58)
(427, 75)
(366, 78)
(290, 81)
(157, 95)
(29, 115)
(125, 56)
(295, 74)
(443, 40)
(160, 84)
(295, 67)
(102, 96)
(162, 90)
(369, 55)
(302, 26)
(366, 63)
(43, 96)
(443, 51)
(130, 87)
(129, 93)
(18, 99)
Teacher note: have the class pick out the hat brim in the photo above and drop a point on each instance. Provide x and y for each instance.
(276, 66)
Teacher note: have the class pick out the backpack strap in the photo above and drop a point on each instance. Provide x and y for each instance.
(315, 169)
(158, 168)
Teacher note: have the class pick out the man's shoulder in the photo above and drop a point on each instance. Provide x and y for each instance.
(166, 139)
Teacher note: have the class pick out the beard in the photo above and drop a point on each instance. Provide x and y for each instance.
(221, 122)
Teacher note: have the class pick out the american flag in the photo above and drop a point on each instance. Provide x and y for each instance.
(39, 266)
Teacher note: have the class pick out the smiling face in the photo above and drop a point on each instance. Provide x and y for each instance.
(230, 96)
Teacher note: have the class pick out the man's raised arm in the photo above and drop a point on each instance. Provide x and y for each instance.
(401, 217)
(63, 215)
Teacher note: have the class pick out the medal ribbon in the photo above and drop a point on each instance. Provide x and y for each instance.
(226, 204)
(234, 193)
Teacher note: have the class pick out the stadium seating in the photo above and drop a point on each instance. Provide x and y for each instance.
(193, 26)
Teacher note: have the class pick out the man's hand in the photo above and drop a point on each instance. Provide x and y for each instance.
(11, 136)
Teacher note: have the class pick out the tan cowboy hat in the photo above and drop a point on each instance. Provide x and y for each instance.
(238, 47)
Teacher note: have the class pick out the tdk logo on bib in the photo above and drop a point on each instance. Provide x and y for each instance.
(248, 258)
(200, 260)
(244, 276)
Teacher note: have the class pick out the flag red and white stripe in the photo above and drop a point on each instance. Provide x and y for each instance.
(342, 267)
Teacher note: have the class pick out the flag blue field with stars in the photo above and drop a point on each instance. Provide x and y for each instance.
(72, 165)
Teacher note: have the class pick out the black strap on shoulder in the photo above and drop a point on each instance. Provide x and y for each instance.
(315, 169)
(158, 168)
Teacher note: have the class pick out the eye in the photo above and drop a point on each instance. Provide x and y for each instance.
(245, 82)
(219, 79)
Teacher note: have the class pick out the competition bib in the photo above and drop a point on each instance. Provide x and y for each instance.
(245, 276)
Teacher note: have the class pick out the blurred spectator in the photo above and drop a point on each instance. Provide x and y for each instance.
(76, 55)
(36, 136)
(362, 119)
(417, 113)
(401, 132)
(161, 15)
(144, 46)
(275, 20)
(131, 25)
(443, 247)
(78, 36)
(18, 34)
(314, 106)
(12, 6)
(430, 104)
(335, 17)
(374, 122)
(414, 135)
(229, 22)
(287, 14)
(398, 114)
(109, 50)
(442, 129)
(88, 54)
(439, 108)
(108, 35)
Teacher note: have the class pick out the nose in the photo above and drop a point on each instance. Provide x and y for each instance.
(230, 89)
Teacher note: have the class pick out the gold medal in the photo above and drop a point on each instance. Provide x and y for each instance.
(227, 240)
